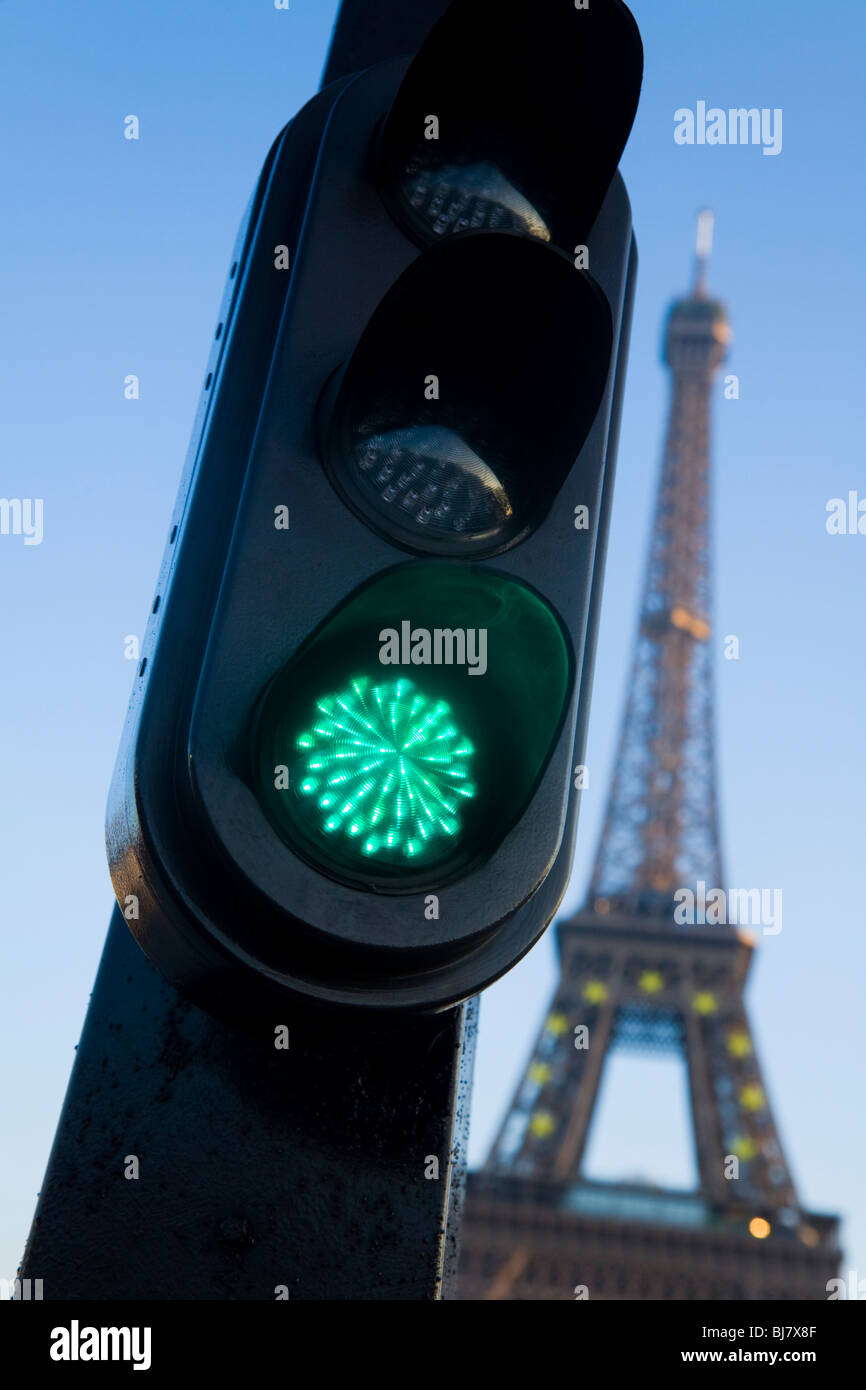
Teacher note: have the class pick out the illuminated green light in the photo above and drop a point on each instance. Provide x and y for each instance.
(401, 776)
(394, 765)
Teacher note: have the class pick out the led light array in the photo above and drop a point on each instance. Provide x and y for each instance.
(386, 766)
(432, 476)
(469, 198)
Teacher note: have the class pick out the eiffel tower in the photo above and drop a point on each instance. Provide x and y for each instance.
(632, 976)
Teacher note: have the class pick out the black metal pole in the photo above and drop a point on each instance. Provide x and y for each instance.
(193, 1161)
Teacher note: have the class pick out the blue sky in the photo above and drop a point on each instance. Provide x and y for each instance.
(114, 261)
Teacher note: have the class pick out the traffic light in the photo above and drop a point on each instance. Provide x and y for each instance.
(348, 770)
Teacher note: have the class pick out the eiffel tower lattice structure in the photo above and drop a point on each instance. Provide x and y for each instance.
(632, 975)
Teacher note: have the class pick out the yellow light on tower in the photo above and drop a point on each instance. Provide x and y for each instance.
(542, 1124)
(540, 1073)
(752, 1097)
(594, 992)
(705, 1003)
(650, 982)
(745, 1148)
(557, 1024)
(759, 1228)
(739, 1045)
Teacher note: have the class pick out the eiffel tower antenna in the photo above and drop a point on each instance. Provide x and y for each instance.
(703, 251)
(634, 973)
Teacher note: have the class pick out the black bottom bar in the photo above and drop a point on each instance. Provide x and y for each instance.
(613, 1338)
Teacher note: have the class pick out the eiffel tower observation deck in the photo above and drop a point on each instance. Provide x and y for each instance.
(656, 960)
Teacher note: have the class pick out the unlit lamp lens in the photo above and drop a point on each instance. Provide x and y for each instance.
(468, 198)
(428, 478)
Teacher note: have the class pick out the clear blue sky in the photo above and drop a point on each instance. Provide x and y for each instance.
(114, 261)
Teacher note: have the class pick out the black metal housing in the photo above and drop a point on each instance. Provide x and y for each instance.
(513, 327)
(186, 835)
(545, 96)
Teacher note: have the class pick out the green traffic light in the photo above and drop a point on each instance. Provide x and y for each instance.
(387, 767)
(402, 741)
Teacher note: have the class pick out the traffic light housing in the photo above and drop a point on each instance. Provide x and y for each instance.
(347, 773)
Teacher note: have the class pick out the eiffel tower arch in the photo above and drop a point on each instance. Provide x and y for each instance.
(633, 975)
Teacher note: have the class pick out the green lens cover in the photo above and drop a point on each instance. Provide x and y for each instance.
(404, 739)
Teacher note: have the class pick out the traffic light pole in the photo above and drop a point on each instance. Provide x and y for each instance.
(321, 1158)
(192, 1161)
